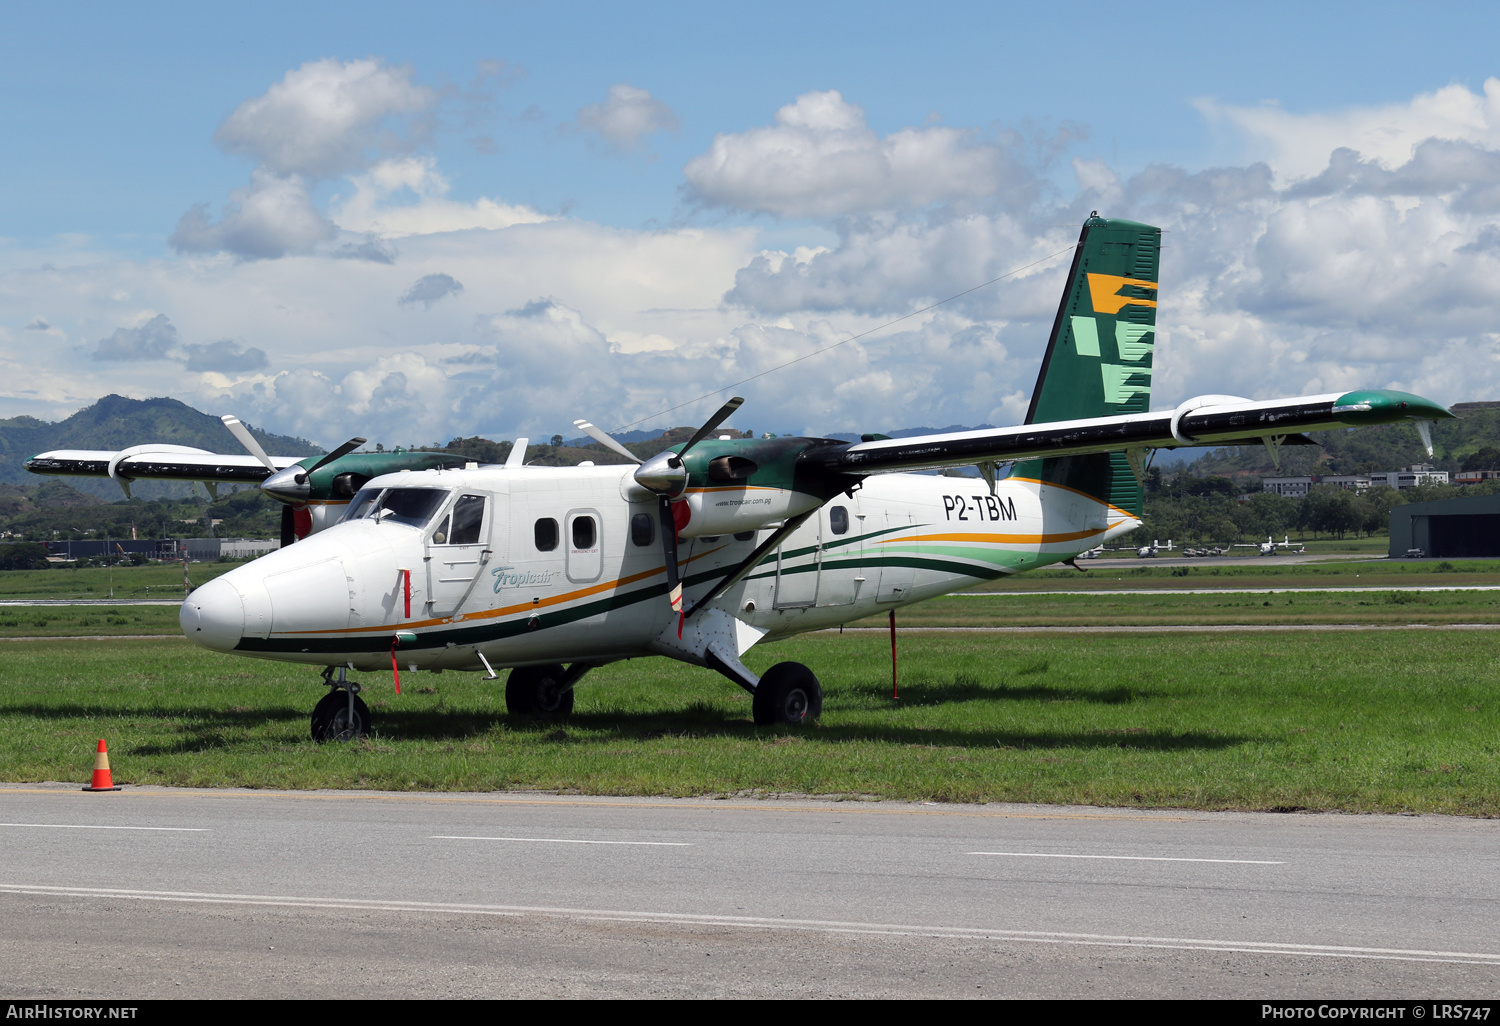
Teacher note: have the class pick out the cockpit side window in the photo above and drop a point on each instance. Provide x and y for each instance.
(363, 504)
(468, 517)
(413, 507)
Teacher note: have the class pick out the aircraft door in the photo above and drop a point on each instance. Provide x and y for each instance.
(840, 575)
(458, 549)
(583, 536)
(895, 581)
(798, 566)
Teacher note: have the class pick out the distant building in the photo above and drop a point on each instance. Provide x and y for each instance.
(1287, 487)
(1447, 528)
(1468, 477)
(94, 548)
(1409, 477)
(201, 549)
(206, 550)
(1348, 482)
(1406, 477)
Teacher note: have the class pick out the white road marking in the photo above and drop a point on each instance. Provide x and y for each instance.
(1125, 858)
(766, 923)
(98, 826)
(558, 840)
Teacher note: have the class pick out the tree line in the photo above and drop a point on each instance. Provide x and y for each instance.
(1189, 508)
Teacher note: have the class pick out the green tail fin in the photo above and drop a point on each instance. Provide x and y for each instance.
(1098, 361)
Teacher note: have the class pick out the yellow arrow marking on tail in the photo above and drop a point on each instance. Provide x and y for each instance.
(1103, 289)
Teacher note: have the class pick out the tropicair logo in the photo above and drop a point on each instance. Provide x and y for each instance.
(509, 577)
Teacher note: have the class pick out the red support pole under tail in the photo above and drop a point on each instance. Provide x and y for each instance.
(893, 654)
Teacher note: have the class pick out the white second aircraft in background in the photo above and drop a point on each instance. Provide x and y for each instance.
(703, 551)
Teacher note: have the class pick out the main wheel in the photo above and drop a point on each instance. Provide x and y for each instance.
(788, 694)
(538, 691)
(330, 718)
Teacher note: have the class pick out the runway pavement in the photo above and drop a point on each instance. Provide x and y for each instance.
(154, 892)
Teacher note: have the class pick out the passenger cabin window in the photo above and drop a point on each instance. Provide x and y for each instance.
(583, 532)
(642, 529)
(546, 534)
(838, 519)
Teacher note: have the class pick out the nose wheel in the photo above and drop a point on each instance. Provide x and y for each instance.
(341, 715)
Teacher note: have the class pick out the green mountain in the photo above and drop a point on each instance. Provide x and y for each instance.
(115, 422)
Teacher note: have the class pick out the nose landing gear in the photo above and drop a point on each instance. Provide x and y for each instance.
(341, 715)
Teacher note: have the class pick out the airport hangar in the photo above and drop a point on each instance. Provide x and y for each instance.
(1447, 528)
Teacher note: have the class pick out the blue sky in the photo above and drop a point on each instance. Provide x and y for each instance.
(622, 152)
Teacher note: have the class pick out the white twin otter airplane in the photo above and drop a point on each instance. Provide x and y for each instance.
(704, 551)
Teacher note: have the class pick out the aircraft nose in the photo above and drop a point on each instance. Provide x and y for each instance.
(214, 616)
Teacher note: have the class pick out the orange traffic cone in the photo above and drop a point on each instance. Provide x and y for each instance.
(102, 780)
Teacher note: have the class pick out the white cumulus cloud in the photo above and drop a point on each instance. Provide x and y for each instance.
(328, 117)
(273, 217)
(1298, 145)
(408, 196)
(627, 115)
(820, 159)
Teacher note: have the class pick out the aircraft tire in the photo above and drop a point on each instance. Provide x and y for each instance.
(330, 718)
(536, 691)
(788, 695)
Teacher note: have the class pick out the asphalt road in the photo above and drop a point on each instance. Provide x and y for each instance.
(154, 892)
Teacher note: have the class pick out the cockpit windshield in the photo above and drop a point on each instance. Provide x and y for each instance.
(411, 506)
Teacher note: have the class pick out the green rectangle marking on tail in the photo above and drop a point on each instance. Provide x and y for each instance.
(1098, 360)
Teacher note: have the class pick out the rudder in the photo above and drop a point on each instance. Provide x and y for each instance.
(1098, 359)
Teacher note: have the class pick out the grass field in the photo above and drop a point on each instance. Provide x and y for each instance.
(152, 581)
(1168, 608)
(1270, 574)
(1020, 609)
(75, 621)
(1385, 721)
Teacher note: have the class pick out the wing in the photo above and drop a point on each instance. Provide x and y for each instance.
(1207, 420)
(155, 463)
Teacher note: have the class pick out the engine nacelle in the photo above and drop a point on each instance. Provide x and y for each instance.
(736, 509)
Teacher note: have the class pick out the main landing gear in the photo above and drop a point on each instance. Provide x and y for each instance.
(341, 715)
(545, 692)
(788, 695)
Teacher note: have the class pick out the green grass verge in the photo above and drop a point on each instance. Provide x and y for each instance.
(1387, 721)
(1271, 574)
(75, 621)
(152, 581)
(1167, 608)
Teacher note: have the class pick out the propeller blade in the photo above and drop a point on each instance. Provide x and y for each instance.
(669, 550)
(713, 422)
(247, 440)
(603, 439)
(341, 451)
(288, 526)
